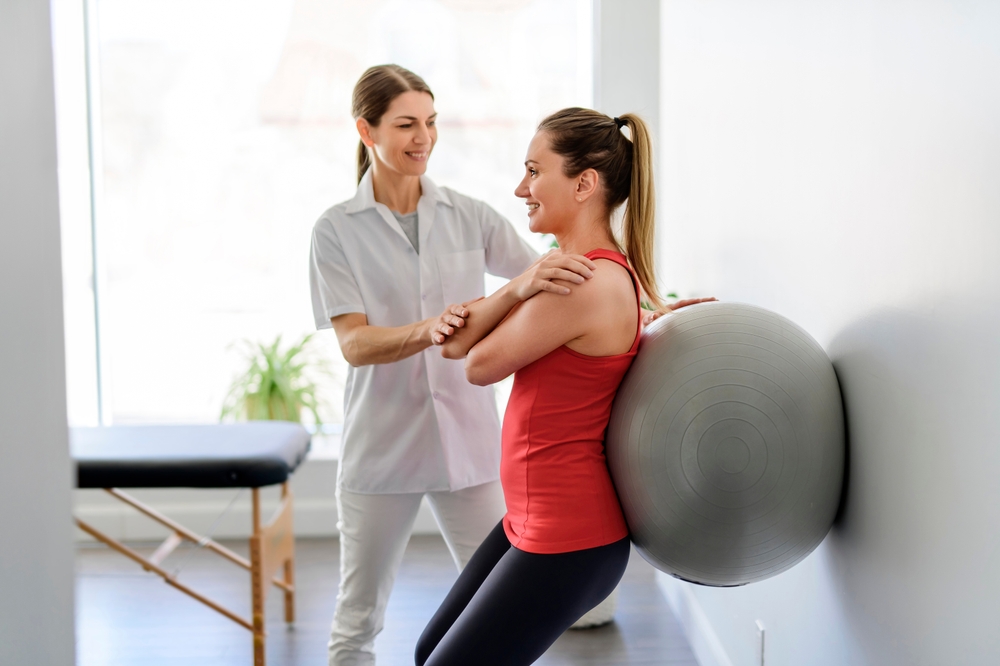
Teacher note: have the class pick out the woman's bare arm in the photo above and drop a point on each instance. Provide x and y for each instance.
(362, 344)
(599, 315)
(556, 274)
(483, 316)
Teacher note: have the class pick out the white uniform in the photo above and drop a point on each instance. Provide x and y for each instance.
(414, 426)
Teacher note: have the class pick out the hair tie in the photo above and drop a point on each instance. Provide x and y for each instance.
(619, 122)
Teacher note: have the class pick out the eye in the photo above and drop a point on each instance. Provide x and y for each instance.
(406, 126)
(532, 171)
(432, 123)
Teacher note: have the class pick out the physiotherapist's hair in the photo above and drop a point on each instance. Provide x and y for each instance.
(374, 92)
(588, 139)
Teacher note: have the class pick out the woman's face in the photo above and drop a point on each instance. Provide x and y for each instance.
(549, 194)
(406, 134)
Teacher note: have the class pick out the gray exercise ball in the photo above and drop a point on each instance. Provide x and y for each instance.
(726, 444)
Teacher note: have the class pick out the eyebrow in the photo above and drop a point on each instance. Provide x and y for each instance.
(527, 162)
(413, 117)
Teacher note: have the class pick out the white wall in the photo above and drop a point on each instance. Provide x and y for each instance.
(36, 568)
(626, 59)
(839, 163)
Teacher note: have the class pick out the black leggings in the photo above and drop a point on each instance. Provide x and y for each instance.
(508, 606)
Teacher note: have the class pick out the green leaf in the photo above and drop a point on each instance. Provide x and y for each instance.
(278, 384)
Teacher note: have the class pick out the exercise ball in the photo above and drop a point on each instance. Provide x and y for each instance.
(726, 444)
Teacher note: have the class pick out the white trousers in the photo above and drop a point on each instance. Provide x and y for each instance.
(374, 530)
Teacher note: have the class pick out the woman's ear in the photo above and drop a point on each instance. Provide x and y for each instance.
(587, 184)
(365, 130)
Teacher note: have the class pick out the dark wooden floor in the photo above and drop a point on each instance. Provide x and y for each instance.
(126, 617)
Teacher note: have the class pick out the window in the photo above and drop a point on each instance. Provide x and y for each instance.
(222, 131)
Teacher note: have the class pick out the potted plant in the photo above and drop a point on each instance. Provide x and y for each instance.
(278, 385)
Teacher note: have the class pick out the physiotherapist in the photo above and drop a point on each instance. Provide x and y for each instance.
(390, 270)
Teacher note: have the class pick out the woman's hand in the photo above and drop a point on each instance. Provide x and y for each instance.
(555, 265)
(650, 317)
(445, 325)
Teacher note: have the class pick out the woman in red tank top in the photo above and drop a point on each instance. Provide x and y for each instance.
(563, 545)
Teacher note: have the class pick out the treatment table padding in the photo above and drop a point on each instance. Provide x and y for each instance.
(239, 455)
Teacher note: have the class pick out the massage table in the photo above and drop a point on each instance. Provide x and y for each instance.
(245, 455)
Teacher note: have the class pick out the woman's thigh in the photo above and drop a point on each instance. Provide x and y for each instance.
(526, 602)
(469, 581)
(466, 517)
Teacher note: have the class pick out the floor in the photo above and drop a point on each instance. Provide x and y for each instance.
(127, 617)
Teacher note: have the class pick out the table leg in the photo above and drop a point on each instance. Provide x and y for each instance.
(289, 574)
(257, 583)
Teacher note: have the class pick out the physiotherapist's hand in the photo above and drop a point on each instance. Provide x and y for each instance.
(555, 265)
(445, 325)
(650, 317)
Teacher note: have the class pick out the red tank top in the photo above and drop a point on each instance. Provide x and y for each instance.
(553, 471)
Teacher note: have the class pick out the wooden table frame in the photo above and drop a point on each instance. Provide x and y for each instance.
(272, 547)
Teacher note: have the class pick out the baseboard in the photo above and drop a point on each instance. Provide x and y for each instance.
(224, 514)
(701, 635)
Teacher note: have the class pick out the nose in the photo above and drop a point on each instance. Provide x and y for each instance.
(522, 191)
(423, 135)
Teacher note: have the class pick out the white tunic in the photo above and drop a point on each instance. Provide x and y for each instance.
(415, 425)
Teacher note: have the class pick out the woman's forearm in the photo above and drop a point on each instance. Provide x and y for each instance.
(555, 272)
(370, 345)
(484, 315)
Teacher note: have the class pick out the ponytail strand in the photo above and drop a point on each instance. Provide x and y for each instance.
(364, 160)
(639, 224)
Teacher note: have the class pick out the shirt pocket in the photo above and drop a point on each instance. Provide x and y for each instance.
(462, 275)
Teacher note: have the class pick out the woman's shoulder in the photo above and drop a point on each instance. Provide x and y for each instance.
(335, 214)
(610, 285)
(445, 192)
(609, 316)
(611, 280)
(460, 201)
(469, 206)
(350, 214)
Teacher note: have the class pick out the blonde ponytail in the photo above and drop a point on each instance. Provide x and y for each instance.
(639, 224)
(364, 160)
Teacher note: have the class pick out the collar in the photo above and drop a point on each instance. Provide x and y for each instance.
(365, 196)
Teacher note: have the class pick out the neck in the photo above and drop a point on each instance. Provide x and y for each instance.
(397, 191)
(583, 237)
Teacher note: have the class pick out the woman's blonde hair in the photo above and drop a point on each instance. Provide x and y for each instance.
(374, 92)
(588, 139)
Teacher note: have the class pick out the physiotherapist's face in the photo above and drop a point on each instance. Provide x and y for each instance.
(406, 135)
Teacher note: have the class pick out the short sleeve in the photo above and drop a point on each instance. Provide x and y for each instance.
(507, 254)
(334, 288)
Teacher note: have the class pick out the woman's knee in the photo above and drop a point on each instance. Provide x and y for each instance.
(423, 650)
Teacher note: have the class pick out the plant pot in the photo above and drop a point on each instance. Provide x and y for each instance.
(277, 409)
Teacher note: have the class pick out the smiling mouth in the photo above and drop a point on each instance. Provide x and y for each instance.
(532, 207)
(422, 155)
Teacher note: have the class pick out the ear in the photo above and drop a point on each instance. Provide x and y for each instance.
(365, 130)
(587, 184)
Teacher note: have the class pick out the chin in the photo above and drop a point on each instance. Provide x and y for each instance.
(538, 226)
(408, 167)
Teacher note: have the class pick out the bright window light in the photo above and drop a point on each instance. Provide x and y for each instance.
(225, 131)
